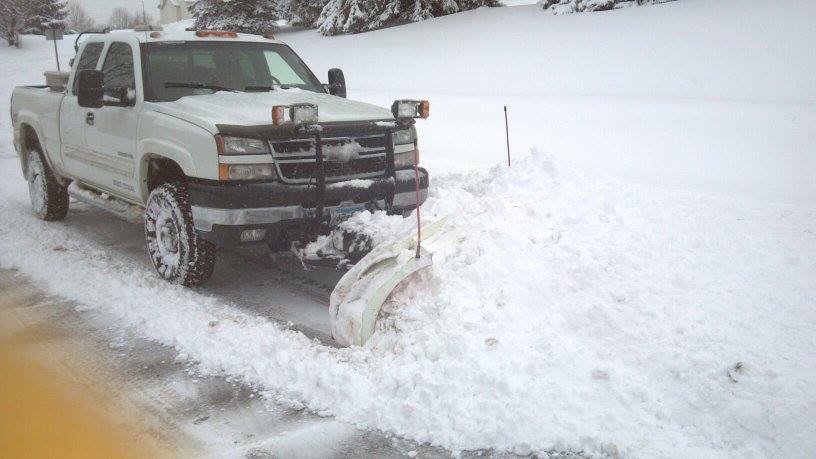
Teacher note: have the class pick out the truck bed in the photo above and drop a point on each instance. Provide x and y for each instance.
(39, 107)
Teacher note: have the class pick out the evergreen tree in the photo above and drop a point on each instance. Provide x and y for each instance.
(46, 14)
(402, 11)
(247, 16)
(580, 6)
(11, 20)
(301, 12)
(18, 15)
(341, 16)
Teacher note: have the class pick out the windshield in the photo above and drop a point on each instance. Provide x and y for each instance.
(186, 68)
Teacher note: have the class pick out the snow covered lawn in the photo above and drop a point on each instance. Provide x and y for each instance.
(694, 94)
(653, 307)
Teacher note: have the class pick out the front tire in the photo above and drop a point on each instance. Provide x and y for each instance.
(176, 251)
(49, 199)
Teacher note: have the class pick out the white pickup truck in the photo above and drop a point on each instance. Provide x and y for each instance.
(212, 139)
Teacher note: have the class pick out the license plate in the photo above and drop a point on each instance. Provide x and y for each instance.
(345, 211)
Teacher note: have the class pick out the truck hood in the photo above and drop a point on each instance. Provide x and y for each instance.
(255, 108)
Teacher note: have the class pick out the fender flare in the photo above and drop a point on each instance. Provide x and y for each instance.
(151, 148)
(27, 118)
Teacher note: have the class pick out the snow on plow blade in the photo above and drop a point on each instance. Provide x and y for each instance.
(356, 300)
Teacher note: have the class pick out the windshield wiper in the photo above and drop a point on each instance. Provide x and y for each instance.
(266, 88)
(214, 87)
(259, 88)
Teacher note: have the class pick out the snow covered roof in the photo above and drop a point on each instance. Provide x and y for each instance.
(181, 35)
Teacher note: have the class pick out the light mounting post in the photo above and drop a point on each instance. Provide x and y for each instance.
(507, 135)
(304, 118)
(403, 111)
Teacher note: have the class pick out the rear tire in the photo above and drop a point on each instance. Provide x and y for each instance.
(49, 199)
(179, 255)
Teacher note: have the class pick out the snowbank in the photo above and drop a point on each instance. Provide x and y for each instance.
(572, 306)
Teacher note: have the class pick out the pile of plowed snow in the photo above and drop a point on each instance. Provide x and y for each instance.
(579, 314)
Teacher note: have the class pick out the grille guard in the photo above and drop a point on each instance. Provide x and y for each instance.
(387, 129)
(316, 134)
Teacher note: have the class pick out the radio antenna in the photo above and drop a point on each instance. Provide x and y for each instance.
(144, 19)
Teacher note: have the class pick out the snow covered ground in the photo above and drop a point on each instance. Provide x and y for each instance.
(659, 303)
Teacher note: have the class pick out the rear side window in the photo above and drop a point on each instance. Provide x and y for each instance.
(88, 60)
(118, 69)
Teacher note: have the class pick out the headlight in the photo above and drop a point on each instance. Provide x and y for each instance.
(405, 136)
(410, 108)
(246, 171)
(228, 145)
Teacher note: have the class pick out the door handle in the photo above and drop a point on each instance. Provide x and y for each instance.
(89, 118)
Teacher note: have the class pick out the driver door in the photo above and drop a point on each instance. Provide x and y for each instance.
(72, 116)
(110, 129)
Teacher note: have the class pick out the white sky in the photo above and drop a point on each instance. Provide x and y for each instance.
(100, 9)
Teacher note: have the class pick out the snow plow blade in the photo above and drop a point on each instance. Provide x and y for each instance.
(356, 300)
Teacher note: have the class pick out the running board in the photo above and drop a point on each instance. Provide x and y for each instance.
(126, 211)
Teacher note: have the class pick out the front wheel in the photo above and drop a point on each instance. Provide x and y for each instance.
(177, 253)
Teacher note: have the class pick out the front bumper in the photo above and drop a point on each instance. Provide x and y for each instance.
(222, 211)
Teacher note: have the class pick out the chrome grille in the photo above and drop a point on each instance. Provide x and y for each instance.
(356, 168)
(345, 157)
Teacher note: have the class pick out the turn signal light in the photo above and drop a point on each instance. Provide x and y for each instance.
(216, 33)
(424, 109)
(279, 114)
(223, 172)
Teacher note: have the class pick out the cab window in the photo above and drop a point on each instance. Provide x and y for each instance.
(87, 61)
(117, 72)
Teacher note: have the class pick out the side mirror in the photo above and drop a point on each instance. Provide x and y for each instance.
(337, 83)
(89, 88)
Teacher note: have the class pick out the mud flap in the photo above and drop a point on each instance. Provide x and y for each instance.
(356, 300)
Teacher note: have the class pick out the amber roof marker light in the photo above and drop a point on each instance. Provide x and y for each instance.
(216, 34)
